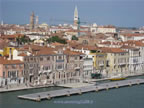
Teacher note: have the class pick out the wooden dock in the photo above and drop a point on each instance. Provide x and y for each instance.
(71, 91)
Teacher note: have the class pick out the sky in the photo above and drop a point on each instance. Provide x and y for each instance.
(123, 13)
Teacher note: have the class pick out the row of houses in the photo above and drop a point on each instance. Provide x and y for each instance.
(56, 63)
(44, 65)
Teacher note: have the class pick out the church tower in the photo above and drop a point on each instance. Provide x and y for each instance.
(37, 22)
(32, 18)
(76, 18)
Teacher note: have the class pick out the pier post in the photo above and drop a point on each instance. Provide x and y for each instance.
(39, 98)
(48, 97)
(80, 92)
(117, 85)
(138, 82)
(96, 89)
(68, 93)
(130, 83)
(107, 87)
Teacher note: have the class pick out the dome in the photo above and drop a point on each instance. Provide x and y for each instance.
(94, 25)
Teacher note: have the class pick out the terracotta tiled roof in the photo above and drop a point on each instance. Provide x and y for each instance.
(3, 43)
(22, 54)
(46, 51)
(5, 61)
(68, 52)
(11, 36)
(112, 50)
(57, 44)
(132, 34)
(134, 43)
(128, 47)
(86, 47)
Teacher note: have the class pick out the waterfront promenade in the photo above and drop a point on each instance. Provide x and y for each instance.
(69, 85)
(21, 87)
(80, 90)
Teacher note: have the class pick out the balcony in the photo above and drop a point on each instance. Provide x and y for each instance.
(45, 71)
(31, 74)
(101, 64)
(123, 63)
(77, 68)
(59, 60)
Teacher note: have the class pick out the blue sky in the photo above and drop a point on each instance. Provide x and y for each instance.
(128, 13)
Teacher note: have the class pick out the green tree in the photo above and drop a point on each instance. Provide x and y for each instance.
(56, 39)
(74, 37)
(22, 40)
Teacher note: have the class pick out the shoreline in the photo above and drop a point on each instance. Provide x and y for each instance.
(61, 85)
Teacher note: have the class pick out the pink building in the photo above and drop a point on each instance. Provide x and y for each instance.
(11, 72)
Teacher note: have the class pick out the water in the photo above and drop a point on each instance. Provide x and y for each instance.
(127, 97)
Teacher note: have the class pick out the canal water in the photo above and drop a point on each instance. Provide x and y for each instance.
(127, 97)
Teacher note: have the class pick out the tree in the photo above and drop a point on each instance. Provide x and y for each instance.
(56, 39)
(74, 37)
(22, 40)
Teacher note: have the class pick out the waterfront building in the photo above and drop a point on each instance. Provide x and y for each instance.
(117, 62)
(99, 61)
(74, 65)
(11, 72)
(53, 66)
(87, 68)
(135, 60)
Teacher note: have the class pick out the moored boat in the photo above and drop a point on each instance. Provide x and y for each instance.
(117, 79)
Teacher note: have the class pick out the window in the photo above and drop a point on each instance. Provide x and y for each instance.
(122, 54)
(81, 57)
(48, 58)
(6, 66)
(75, 65)
(35, 59)
(4, 74)
(14, 66)
(25, 59)
(31, 58)
(76, 58)
(60, 66)
(46, 68)
(31, 65)
(9, 73)
(20, 65)
(41, 59)
(59, 57)
(114, 61)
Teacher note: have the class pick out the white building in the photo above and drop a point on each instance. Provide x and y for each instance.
(135, 61)
(102, 29)
(131, 36)
(87, 68)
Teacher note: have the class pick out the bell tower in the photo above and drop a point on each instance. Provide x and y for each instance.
(76, 17)
(32, 18)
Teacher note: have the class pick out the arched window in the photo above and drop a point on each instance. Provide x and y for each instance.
(85, 42)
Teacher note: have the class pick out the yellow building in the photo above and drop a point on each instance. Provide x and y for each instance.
(8, 50)
(117, 62)
(99, 60)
